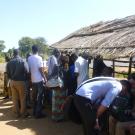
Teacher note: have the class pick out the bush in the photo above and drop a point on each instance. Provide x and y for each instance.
(2, 59)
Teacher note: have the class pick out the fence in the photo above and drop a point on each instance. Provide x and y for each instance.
(128, 64)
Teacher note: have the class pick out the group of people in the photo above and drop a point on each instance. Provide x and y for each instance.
(29, 83)
(68, 74)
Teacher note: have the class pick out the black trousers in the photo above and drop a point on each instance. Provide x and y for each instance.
(87, 113)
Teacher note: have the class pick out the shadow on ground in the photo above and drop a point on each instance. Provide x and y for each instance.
(31, 126)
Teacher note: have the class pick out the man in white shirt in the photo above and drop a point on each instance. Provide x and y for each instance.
(99, 90)
(37, 77)
(81, 68)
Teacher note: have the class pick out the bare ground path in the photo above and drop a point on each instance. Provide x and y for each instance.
(30, 126)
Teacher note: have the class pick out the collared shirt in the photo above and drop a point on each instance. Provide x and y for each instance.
(17, 69)
(81, 67)
(104, 89)
(35, 62)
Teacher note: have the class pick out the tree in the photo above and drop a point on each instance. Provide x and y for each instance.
(25, 45)
(2, 46)
(42, 45)
(10, 53)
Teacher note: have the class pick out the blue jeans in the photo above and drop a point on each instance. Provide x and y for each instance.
(37, 97)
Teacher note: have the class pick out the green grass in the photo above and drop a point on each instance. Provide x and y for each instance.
(2, 59)
(121, 76)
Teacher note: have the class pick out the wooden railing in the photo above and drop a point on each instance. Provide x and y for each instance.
(128, 64)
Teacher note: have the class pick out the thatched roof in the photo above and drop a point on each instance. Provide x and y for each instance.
(114, 38)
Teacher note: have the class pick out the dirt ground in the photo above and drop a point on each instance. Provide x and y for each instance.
(30, 126)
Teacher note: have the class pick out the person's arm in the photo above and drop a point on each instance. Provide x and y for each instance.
(108, 99)
(101, 110)
(26, 67)
(41, 69)
(76, 72)
(8, 71)
(55, 71)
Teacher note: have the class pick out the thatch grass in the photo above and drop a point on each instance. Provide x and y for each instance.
(114, 38)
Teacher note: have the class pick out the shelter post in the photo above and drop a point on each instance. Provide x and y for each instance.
(113, 67)
(130, 66)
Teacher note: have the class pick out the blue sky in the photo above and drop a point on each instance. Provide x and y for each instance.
(55, 19)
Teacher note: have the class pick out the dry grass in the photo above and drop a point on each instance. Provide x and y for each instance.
(111, 39)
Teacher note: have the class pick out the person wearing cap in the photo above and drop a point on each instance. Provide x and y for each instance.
(16, 70)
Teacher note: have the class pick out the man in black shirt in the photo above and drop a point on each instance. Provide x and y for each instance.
(17, 71)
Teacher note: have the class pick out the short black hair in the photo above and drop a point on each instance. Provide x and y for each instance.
(7, 58)
(34, 48)
(16, 52)
(55, 51)
(107, 71)
(131, 76)
(127, 84)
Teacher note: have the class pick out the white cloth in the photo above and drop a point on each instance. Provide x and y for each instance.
(35, 62)
(104, 89)
(45, 63)
(81, 67)
(52, 61)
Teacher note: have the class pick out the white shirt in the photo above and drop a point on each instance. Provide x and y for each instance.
(104, 89)
(81, 67)
(35, 62)
(52, 61)
(45, 63)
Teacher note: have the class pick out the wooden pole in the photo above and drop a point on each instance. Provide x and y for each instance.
(113, 67)
(130, 66)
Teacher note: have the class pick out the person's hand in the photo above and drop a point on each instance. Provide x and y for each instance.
(97, 126)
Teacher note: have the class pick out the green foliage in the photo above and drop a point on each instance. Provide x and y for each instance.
(2, 60)
(2, 46)
(26, 43)
(9, 53)
(121, 75)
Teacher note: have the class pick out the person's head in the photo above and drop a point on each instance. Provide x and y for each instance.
(73, 57)
(34, 49)
(15, 52)
(99, 57)
(126, 87)
(131, 79)
(56, 52)
(85, 55)
(27, 56)
(107, 71)
(7, 58)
